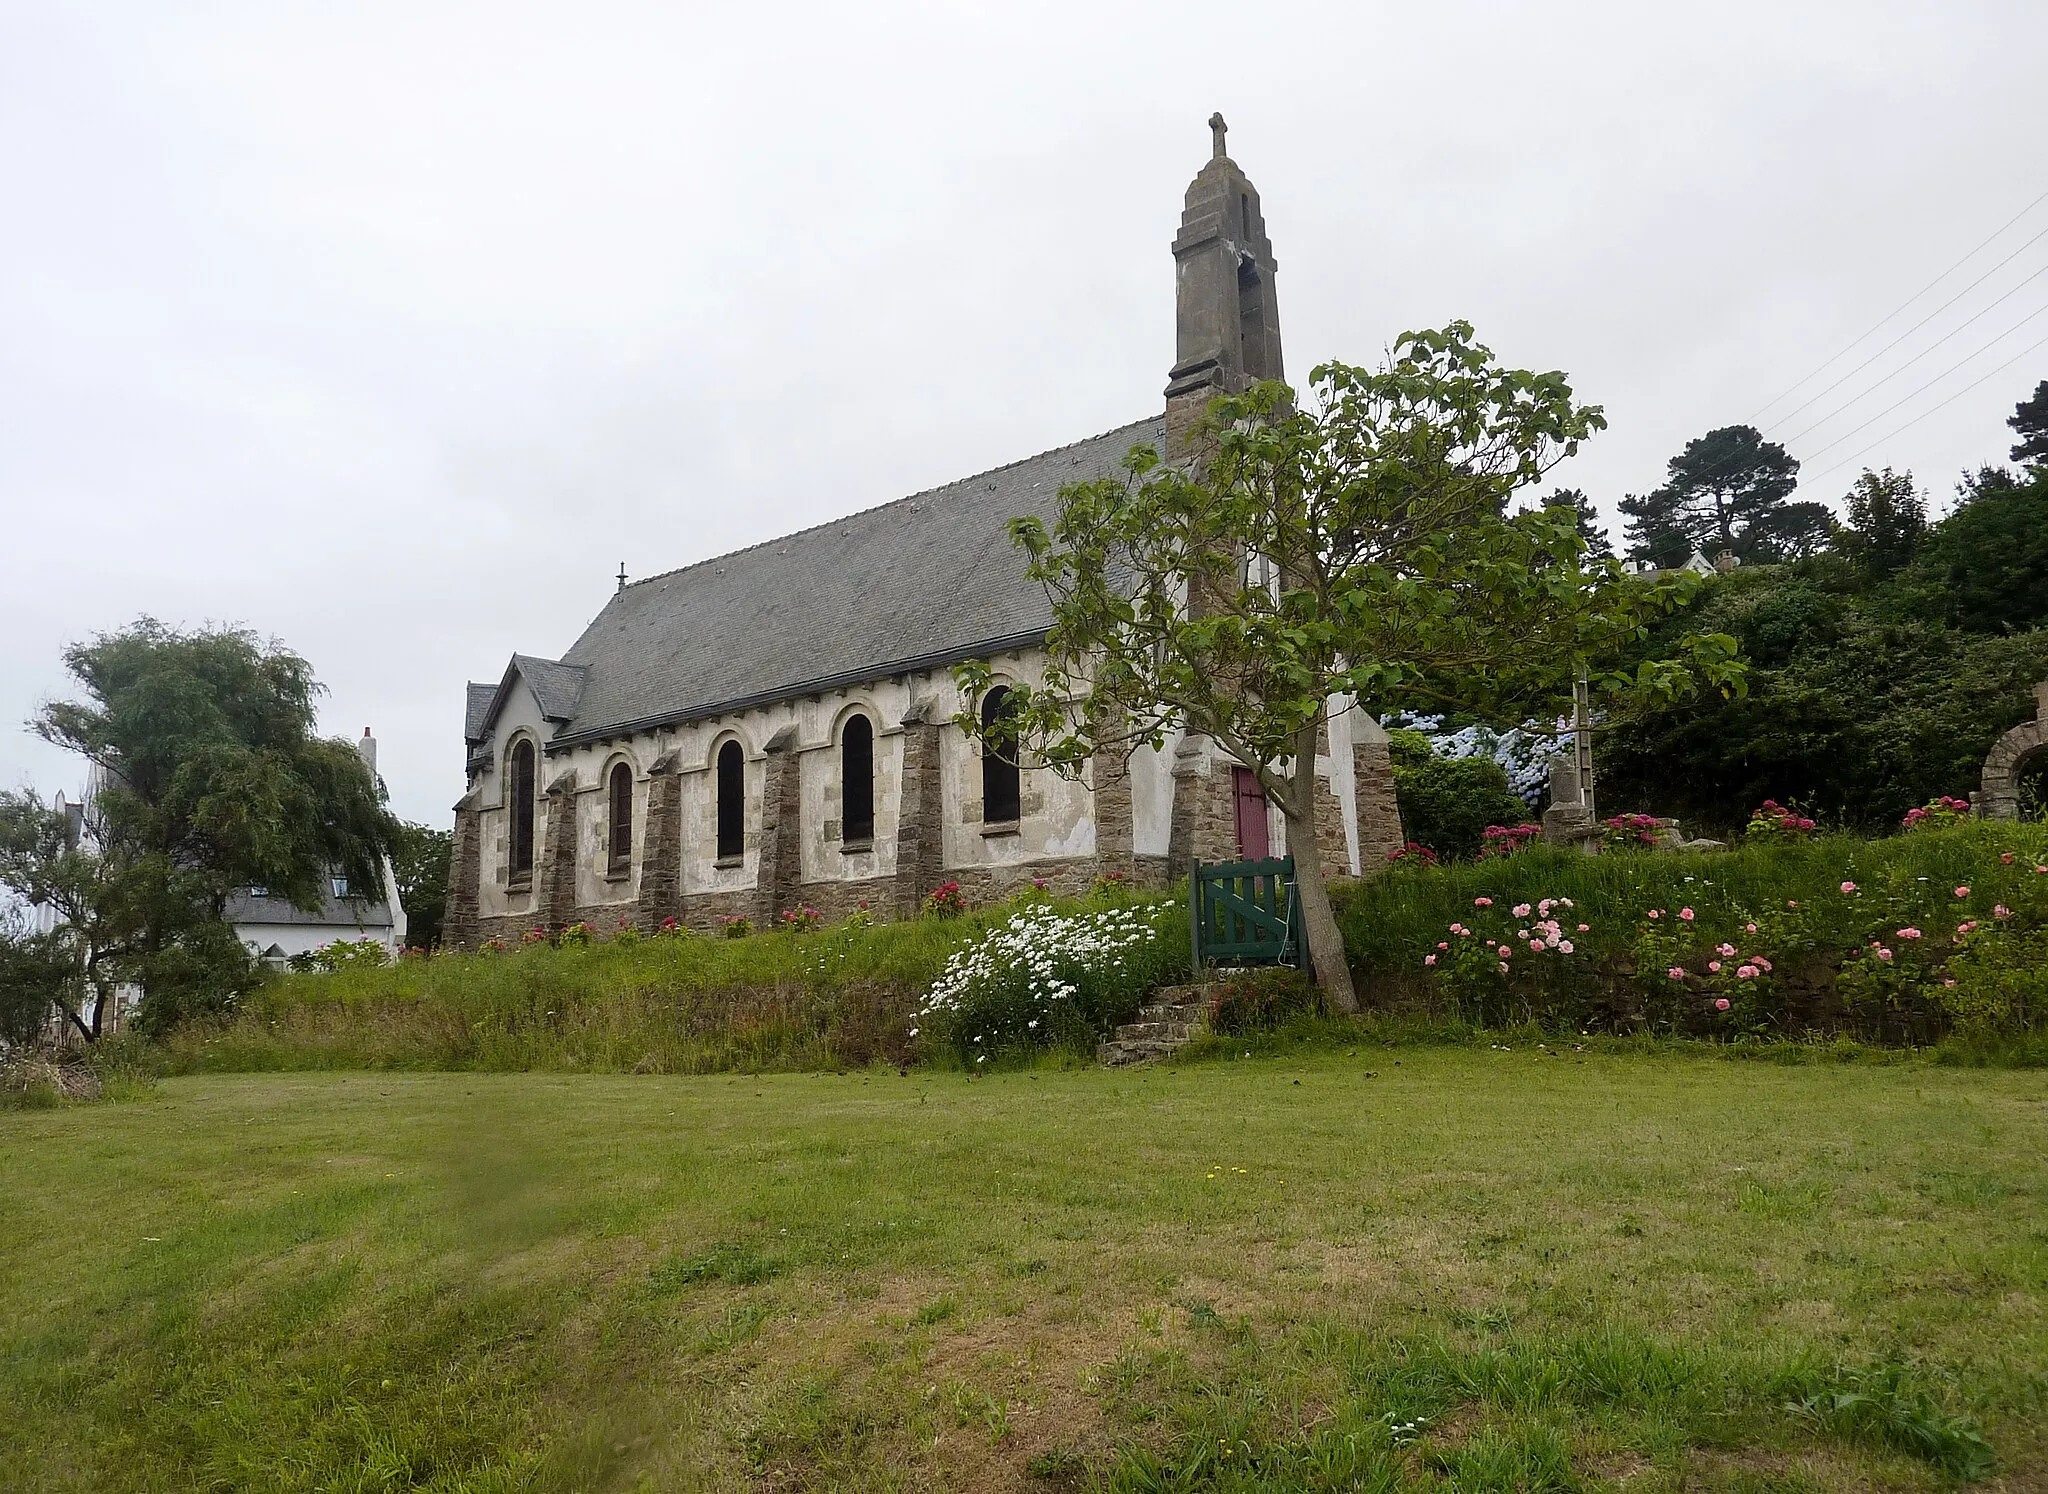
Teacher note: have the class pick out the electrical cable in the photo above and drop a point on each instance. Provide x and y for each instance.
(1845, 461)
(1959, 326)
(1905, 398)
(2043, 234)
(1879, 324)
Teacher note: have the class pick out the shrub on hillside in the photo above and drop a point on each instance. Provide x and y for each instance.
(1047, 979)
(1447, 804)
(1260, 1000)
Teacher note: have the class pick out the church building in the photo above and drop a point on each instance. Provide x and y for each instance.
(773, 729)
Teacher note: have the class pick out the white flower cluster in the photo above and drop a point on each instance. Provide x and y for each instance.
(1037, 957)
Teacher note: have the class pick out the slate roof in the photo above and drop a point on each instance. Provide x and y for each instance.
(925, 581)
(245, 907)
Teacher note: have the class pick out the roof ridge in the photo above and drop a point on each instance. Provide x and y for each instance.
(878, 507)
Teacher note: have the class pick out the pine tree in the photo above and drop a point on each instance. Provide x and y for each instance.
(1587, 518)
(1726, 491)
(2029, 421)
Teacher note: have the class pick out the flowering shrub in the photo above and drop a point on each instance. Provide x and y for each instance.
(1773, 821)
(1046, 977)
(1108, 882)
(535, 935)
(340, 955)
(862, 917)
(1631, 832)
(945, 901)
(1504, 840)
(735, 925)
(1479, 965)
(492, 946)
(802, 920)
(1412, 854)
(671, 928)
(1940, 810)
(575, 936)
(625, 933)
(1259, 1000)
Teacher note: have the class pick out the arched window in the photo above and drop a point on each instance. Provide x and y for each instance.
(857, 781)
(621, 843)
(1001, 790)
(732, 802)
(522, 810)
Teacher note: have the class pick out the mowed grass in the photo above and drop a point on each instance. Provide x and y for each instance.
(1429, 1268)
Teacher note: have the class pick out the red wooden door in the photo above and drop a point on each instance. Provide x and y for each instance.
(1252, 841)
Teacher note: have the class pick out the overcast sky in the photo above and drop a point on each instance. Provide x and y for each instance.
(391, 330)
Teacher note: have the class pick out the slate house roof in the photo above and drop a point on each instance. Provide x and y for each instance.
(922, 582)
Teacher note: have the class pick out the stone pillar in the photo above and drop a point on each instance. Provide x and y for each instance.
(1331, 840)
(558, 860)
(920, 826)
(779, 877)
(461, 921)
(661, 852)
(1203, 826)
(1109, 774)
(1379, 812)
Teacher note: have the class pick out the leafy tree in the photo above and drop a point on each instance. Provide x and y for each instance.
(208, 778)
(419, 864)
(32, 966)
(1355, 550)
(1887, 517)
(1726, 490)
(1586, 517)
(2029, 421)
(1984, 567)
(50, 859)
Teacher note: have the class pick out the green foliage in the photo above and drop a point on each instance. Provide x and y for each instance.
(2029, 421)
(1355, 541)
(1855, 714)
(37, 977)
(1896, 955)
(1983, 568)
(420, 858)
(1887, 519)
(1448, 803)
(1261, 1000)
(209, 779)
(1727, 490)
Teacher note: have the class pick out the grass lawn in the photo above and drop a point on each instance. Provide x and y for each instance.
(1424, 1267)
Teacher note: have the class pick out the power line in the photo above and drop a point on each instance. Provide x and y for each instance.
(1975, 316)
(2043, 234)
(1879, 324)
(1906, 398)
(1845, 461)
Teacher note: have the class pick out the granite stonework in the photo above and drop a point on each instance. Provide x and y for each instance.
(680, 666)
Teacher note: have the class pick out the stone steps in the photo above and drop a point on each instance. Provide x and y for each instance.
(1174, 1016)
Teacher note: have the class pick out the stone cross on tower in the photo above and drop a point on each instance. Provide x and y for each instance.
(1227, 320)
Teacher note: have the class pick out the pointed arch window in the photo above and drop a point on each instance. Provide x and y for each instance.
(522, 776)
(619, 857)
(1001, 782)
(732, 802)
(857, 782)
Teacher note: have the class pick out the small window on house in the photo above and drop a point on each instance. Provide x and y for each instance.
(522, 811)
(857, 780)
(732, 802)
(1001, 788)
(340, 886)
(259, 891)
(620, 854)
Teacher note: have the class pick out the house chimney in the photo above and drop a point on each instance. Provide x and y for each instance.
(367, 750)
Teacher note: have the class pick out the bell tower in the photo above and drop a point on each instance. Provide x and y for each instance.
(1227, 316)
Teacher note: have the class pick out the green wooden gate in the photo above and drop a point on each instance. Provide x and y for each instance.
(1246, 913)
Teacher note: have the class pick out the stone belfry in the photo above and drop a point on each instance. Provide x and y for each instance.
(1227, 318)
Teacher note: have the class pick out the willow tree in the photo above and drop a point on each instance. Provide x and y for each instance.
(1350, 551)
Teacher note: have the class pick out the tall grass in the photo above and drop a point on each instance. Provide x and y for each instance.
(839, 997)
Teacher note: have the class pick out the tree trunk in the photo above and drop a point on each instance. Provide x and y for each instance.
(1318, 922)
